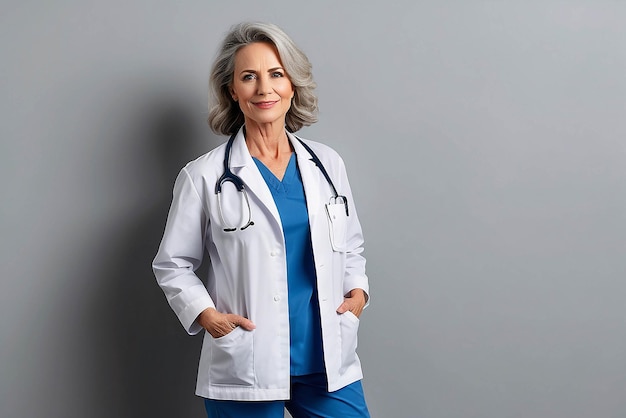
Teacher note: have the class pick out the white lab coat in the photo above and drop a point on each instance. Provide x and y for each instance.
(248, 272)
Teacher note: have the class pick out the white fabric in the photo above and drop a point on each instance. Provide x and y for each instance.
(248, 273)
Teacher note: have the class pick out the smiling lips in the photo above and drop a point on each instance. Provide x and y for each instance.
(265, 105)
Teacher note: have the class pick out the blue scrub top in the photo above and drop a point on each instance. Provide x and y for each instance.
(305, 328)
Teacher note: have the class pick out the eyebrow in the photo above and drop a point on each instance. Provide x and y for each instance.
(269, 70)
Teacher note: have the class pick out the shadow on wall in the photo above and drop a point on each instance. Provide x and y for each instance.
(146, 361)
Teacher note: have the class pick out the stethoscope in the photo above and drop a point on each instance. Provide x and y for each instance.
(229, 176)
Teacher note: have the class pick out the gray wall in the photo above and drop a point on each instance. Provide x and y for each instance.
(486, 147)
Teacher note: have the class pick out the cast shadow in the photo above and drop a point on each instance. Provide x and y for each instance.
(149, 363)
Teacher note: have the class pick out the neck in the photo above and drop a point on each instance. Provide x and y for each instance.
(267, 141)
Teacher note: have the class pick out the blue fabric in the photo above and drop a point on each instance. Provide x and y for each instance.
(305, 328)
(309, 398)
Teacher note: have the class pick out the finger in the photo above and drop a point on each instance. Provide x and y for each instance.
(357, 307)
(221, 329)
(357, 311)
(350, 305)
(344, 307)
(221, 326)
(240, 321)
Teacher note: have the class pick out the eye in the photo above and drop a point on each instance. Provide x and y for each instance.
(277, 74)
(247, 77)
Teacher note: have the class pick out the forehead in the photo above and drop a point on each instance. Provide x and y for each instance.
(257, 54)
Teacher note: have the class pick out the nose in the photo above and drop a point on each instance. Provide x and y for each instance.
(263, 85)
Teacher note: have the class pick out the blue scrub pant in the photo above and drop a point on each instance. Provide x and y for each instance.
(309, 399)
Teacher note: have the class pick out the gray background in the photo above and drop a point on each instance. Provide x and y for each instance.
(485, 144)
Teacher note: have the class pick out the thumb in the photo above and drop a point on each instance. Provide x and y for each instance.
(244, 323)
(343, 308)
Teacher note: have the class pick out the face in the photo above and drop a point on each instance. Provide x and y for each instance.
(260, 85)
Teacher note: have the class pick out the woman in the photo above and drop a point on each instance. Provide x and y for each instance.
(275, 214)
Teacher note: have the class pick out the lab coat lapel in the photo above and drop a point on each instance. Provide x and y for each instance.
(242, 164)
(310, 174)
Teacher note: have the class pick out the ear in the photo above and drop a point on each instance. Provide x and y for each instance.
(232, 93)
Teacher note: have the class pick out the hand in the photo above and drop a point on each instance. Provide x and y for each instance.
(219, 324)
(354, 302)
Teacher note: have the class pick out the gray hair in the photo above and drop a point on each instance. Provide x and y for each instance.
(225, 116)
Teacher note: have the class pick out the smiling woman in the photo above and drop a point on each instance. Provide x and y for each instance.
(225, 117)
(264, 94)
(260, 85)
(280, 307)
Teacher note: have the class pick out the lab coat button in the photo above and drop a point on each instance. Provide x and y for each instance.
(274, 253)
(276, 298)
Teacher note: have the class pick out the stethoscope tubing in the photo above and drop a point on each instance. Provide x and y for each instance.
(229, 176)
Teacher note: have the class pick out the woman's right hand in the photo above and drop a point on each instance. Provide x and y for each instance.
(219, 324)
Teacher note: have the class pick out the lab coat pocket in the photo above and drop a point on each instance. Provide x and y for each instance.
(338, 225)
(232, 360)
(349, 328)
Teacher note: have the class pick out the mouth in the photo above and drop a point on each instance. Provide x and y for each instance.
(265, 104)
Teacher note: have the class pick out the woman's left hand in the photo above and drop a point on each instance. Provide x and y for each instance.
(353, 302)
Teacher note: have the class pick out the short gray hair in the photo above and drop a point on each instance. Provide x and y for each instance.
(225, 116)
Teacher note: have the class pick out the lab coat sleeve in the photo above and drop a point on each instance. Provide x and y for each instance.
(180, 255)
(355, 277)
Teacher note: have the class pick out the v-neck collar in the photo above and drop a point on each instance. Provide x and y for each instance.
(271, 179)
